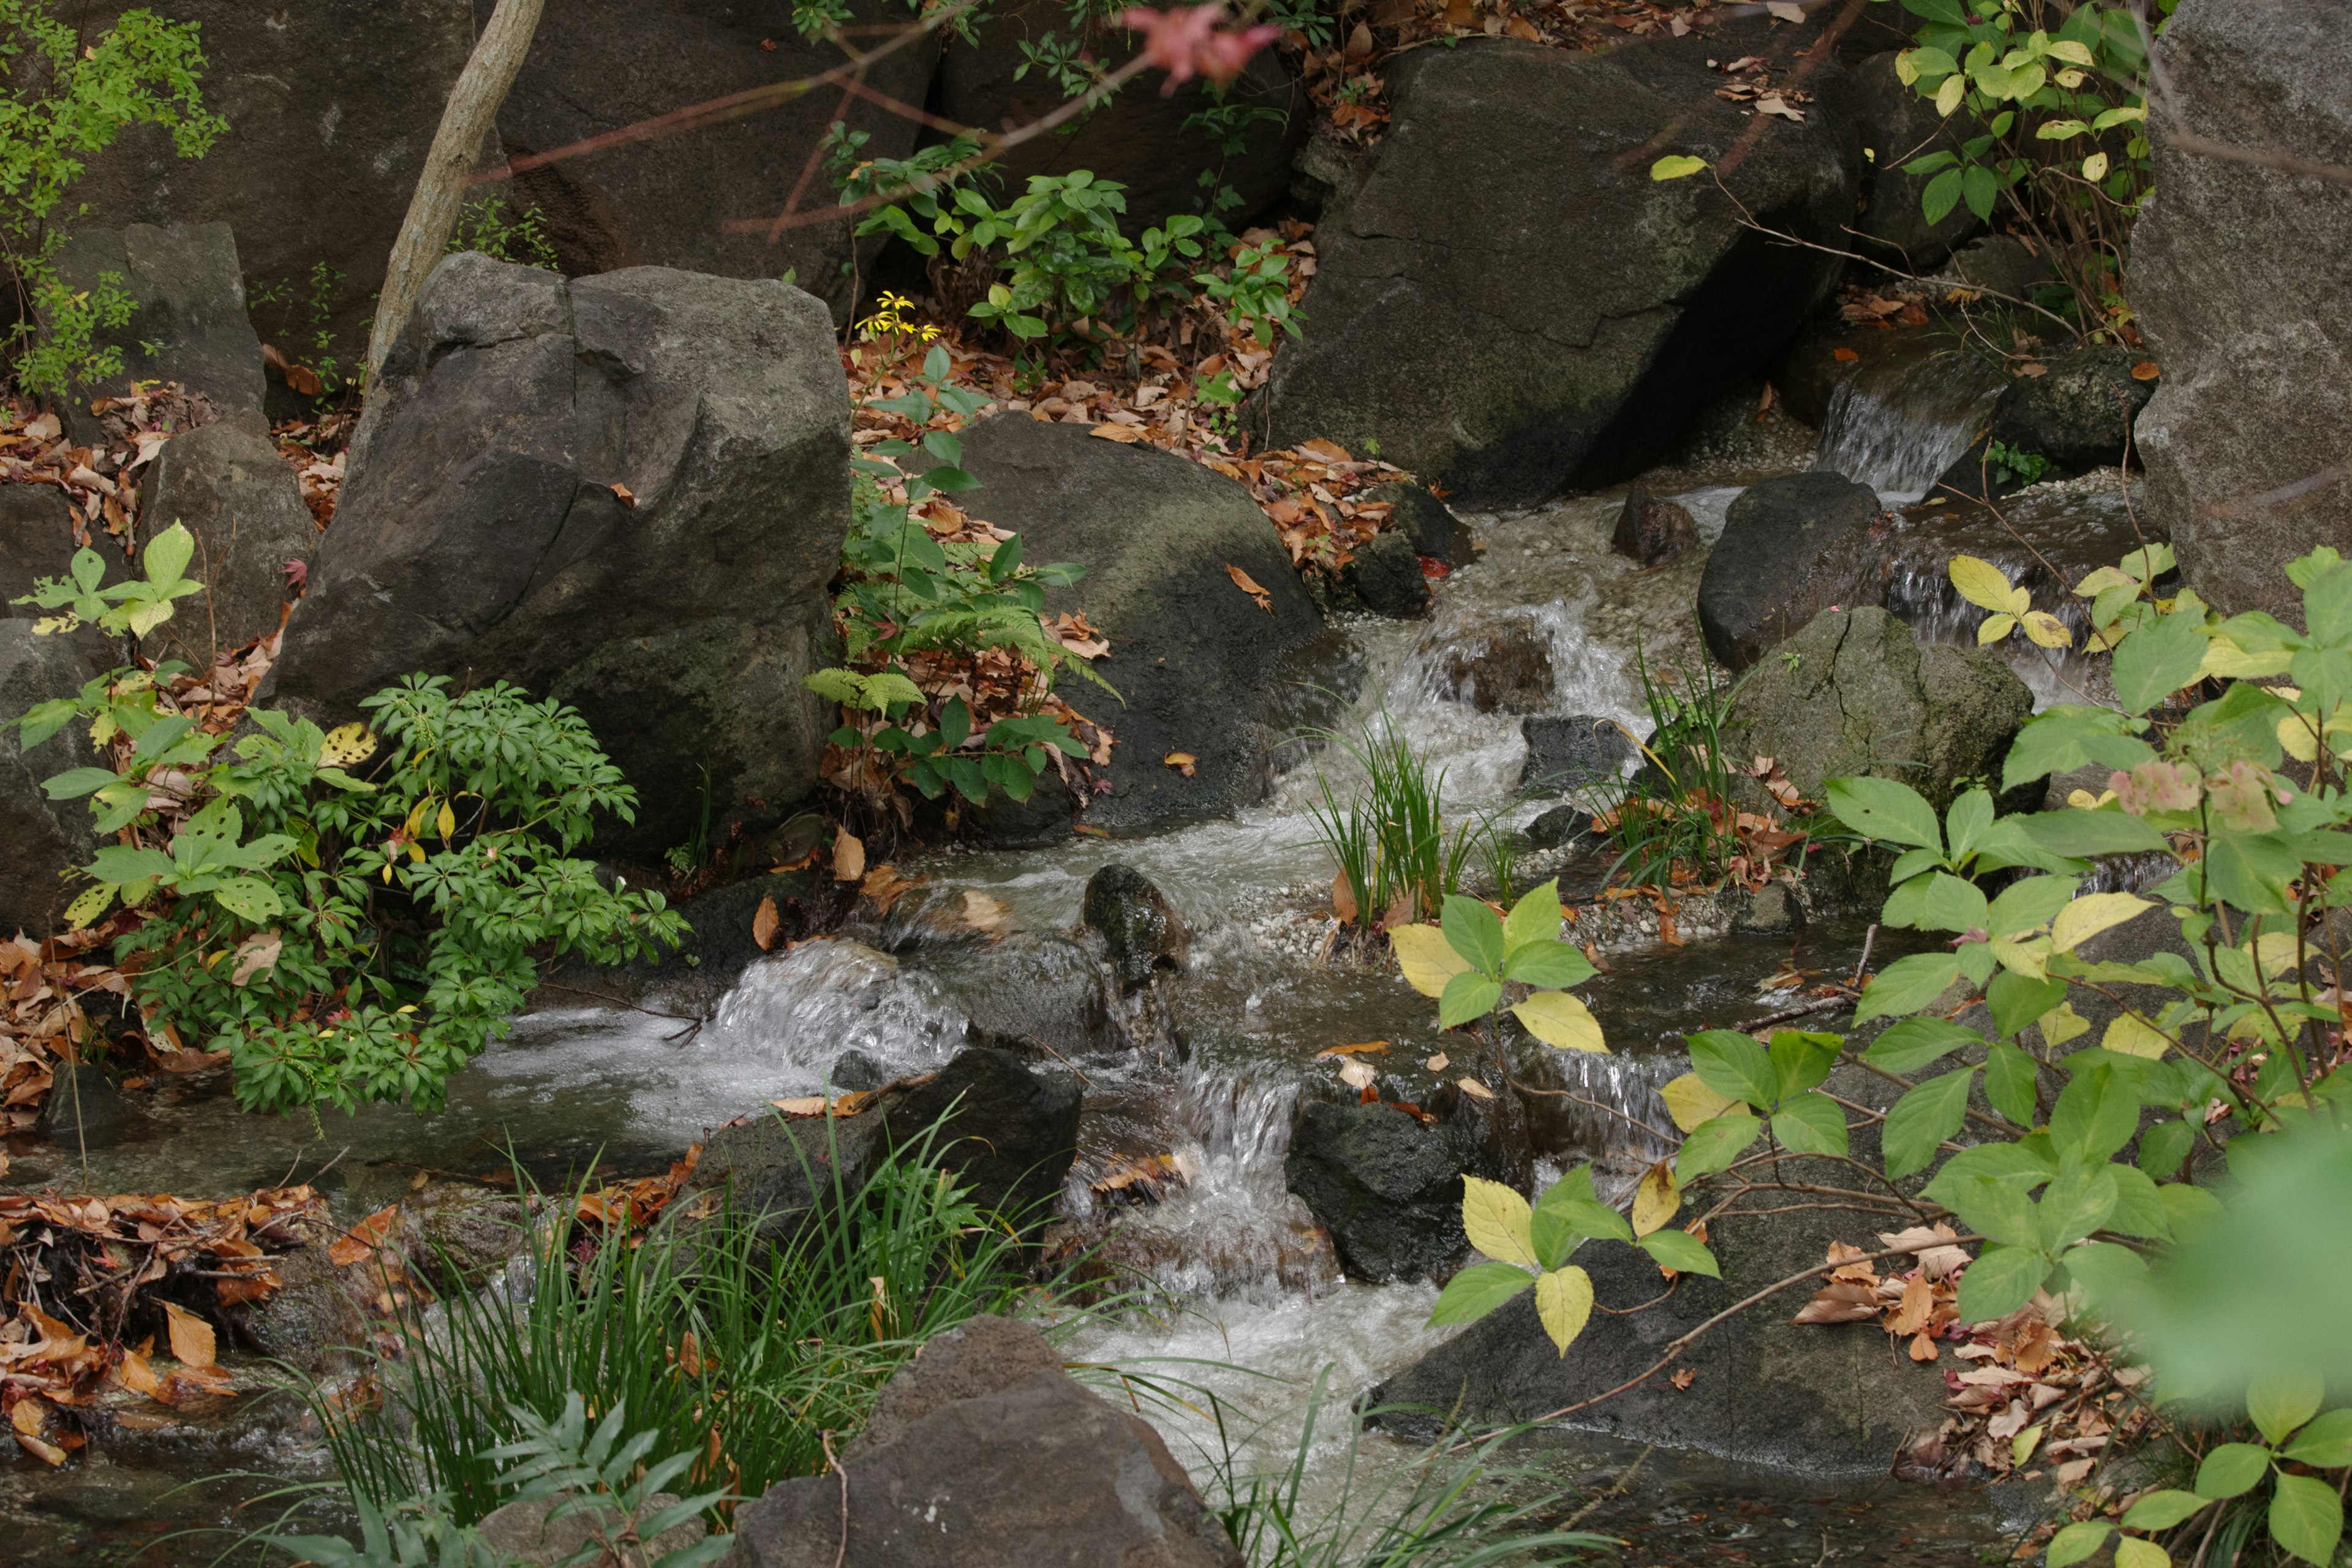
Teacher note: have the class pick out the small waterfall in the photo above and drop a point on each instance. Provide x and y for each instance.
(797, 1011)
(1896, 423)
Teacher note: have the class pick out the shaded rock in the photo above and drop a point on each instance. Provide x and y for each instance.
(1458, 324)
(318, 1320)
(2000, 264)
(2079, 414)
(458, 1236)
(36, 541)
(1140, 931)
(189, 294)
(481, 531)
(1428, 522)
(1044, 991)
(1896, 126)
(1792, 548)
(1572, 754)
(1200, 665)
(1560, 824)
(2245, 442)
(84, 1110)
(1387, 1188)
(1495, 664)
(855, 1070)
(1048, 816)
(982, 1453)
(226, 482)
(1385, 576)
(523, 1532)
(40, 839)
(1854, 692)
(1650, 531)
(1772, 910)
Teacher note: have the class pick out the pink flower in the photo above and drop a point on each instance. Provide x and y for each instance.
(2156, 786)
(2241, 798)
(1189, 42)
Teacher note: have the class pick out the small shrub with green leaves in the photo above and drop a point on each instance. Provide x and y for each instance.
(505, 233)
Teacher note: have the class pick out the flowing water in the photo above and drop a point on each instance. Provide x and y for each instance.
(1205, 1069)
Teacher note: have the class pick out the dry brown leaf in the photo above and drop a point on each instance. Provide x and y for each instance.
(1126, 435)
(29, 1416)
(1248, 584)
(1922, 1349)
(2146, 370)
(1918, 1304)
(1841, 1301)
(1683, 1380)
(256, 954)
(765, 923)
(1439, 1062)
(628, 497)
(1182, 762)
(135, 1375)
(1367, 1047)
(1850, 1267)
(1343, 898)
(848, 856)
(47, 1453)
(192, 1337)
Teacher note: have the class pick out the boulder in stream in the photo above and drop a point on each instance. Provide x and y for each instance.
(1576, 752)
(1387, 1187)
(1650, 531)
(1141, 932)
(1792, 548)
(2078, 414)
(1384, 574)
(982, 1453)
(1497, 664)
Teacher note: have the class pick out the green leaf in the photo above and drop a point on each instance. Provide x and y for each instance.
(2076, 1205)
(1734, 1066)
(2164, 1146)
(1468, 996)
(2325, 1444)
(2017, 1000)
(1908, 985)
(2307, 1518)
(1810, 1124)
(2028, 903)
(1553, 1226)
(1534, 917)
(2000, 1281)
(1942, 194)
(2278, 1403)
(1682, 1252)
(2251, 870)
(2232, 1470)
(2104, 831)
(1883, 809)
(2162, 1510)
(1714, 1144)
(2070, 736)
(1922, 1120)
(2011, 1079)
(2139, 1205)
(1914, 1043)
(2096, 1114)
(2076, 1542)
(249, 898)
(168, 554)
(1478, 1290)
(1554, 966)
(2157, 660)
(75, 783)
(1801, 1060)
(1472, 931)
(1677, 166)
(118, 864)
(1989, 1206)
(1980, 189)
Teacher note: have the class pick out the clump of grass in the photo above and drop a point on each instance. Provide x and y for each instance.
(1678, 810)
(1390, 840)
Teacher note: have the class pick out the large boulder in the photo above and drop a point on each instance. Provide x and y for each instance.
(2244, 443)
(1141, 934)
(982, 1453)
(1509, 299)
(1196, 659)
(1854, 692)
(598, 66)
(188, 320)
(1386, 1186)
(40, 839)
(627, 492)
(226, 482)
(2078, 414)
(330, 106)
(1792, 547)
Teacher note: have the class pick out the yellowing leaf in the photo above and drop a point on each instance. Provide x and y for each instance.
(1948, 96)
(447, 822)
(1556, 1018)
(2089, 915)
(192, 1337)
(1656, 1199)
(1473, 1089)
(90, 906)
(2293, 732)
(1980, 583)
(2228, 661)
(1426, 958)
(2094, 167)
(2062, 1024)
(1563, 1302)
(2128, 1035)
(1689, 1101)
(1676, 167)
(2274, 953)
(2047, 629)
(345, 745)
(2100, 580)
(2028, 958)
(1497, 1221)
(1995, 627)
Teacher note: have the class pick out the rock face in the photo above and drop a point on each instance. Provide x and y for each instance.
(1502, 320)
(1388, 1189)
(1792, 548)
(1573, 752)
(1433, 528)
(1897, 125)
(664, 201)
(226, 482)
(1854, 692)
(1201, 666)
(190, 302)
(1139, 931)
(2244, 443)
(483, 532)
(982, 1453)
(1649, 531)
(328, 129)
(2079, 414)
(40, 839)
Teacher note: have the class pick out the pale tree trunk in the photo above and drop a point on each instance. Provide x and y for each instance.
(434, 210)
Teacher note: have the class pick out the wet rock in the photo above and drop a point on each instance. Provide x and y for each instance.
(1496, 664)
(1572, 754)
(855, 1070)
(1649, 531)
(317, 1322)
(188, 294)
(1384, 574)
(482, 530)
(2245, 442)
(1048, 816)
(457, 1235)
(226, 482)
(1772, 910)
(1197, 661)
(1387, 1188)
(523, 1534)
(1792, 548)
(1046, 992)
(1428, 522)
(1454, 323)
(1897, 126)
(1140, 931)
(1854, 692)
(982, 1453)
(2079, 414)
(1561, 825)
(40, 839)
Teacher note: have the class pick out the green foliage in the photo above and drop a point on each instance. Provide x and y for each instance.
(1474, 959)
(135, 608)
(2007, 465)
(1677, 811)
(309, 320)
(70, 98)
(1390, 840)
(490, 227)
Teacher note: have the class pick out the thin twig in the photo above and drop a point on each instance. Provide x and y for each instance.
(632, 1007)
(833, 1464)
(1869, 940)
(1059, 1057)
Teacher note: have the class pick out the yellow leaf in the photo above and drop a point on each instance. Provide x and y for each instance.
(1905, 70)
(1980, 583)
(2094, 167)
(90, 906)
(1497, 1221)
(2028, 958)
(345, 745)
(192, 1337)
(1656, 1199)
(2128, 1035)
(1689, 1101)
(1556, 1018)
(2047, 629)
(2062, 1024)
(1473, 1089)
(1995, 627)
(1677, 166)
(1563, 1302)
(2293, 732)
(2131, 1552)
(2226, 660)
(2098, 582)
(1948, 97)
(2274, 952)
(447, 822)
(1426, 958)
(2072, 53)
(2089, 915)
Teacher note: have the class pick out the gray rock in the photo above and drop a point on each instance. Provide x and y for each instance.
(480, 532)
(226, 482)
(1387, 1187)
(1139, 929)
(2000, 264)
(40, 839)
(855, 1070)
(2079, 414)
(36, 541)
(529, 1531)
(1896, 126)
(1429, 522)
(2245, 442)
(1201, 667)
(1043, 990)
(1497, 664)
(1650, 531)
(1772, 910)
(982, 1453)
(328, 129)
(1854, 692)
(1500, 332)
(1572, 753)
(1792, 548)
(1385, 575)
(1561, 825)
(190, 303)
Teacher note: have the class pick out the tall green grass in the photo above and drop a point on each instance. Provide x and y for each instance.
(1390, 840)
(1679, 809)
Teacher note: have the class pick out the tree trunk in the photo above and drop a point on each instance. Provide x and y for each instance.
(434, 210)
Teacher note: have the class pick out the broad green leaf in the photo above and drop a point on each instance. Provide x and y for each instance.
(2157, 660)
(2011, 1079)
(1468, 996)
(2326, 1442)
(2231, 1469)
(1914, 1043)
(1554, 966)
(1682, 1252)
(2281, 1402)
(2075, 1205)
(2251, 870)
(2163, 1147)
(249, 898)
(1732, 1064)
(1534, 917)
(2162, 1510)
(1922, 1120)
(1497, 1221)
(1689, 1100)
(1998, 1282)
(1559, 1019)
(2096, 1116)
(75, 783)
(2104, 831)
(118, 864)
(2306, 1518)
(1951, 904)
(1810, 1124)
(2140, 1206)
(2016, 1000)
(1908, 985)
(2107, 1271)
(1712, 1146)
(1883, 809)
(1474, 933)
(1556, 1222)
(1426, 959)
(1476, 1291)
(1997, 1209)
(2076, 1542)
(1801, 1060)
(2030, 903)
(88, 906)
(168, 554)
(1563, 1303)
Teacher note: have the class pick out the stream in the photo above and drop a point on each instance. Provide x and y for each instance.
(1220, 1057)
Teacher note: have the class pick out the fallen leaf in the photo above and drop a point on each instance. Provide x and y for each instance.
(1357, 1075)
(1439, 1062)
(2146, 370)
(2033, 369)
(1127, 434)
(1473, 1089)
(1842, 1301)
(1180, 761)
(1922, 1349)
(1918, 1304)
(1844, 356)
(29, 1416)
(1785, 10)
(1367, 1047)
(133, 1373)
(1243, 581)
(764, 924)
(1684, 1379)
(47, 1453)
(848, 856)
(256, 954)
(627, 496)
(192, 1337)
(1343, 898)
